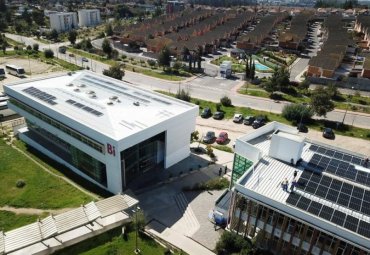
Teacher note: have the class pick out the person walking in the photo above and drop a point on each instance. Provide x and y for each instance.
(220, 171)
(295, 173)
(225, 169)
(285, 184)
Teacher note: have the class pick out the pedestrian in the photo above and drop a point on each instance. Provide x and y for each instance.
(295, 174)
(366, 163)
(293, 184)
(225, 169)
(285, 184)
(220, 171)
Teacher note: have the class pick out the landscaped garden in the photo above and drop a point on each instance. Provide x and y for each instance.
(113, 242)
(26, 185)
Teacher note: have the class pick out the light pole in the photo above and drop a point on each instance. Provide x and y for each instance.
(345, 113)
(137, 250)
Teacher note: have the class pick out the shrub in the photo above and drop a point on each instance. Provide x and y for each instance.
(20, 183)
(230, 243)
(124, 56)
(151, 62)
(35, 47)
(209, 150)
(296, 112)
(218, 107)
(276, 96)
(183, 95)
(48, 53)
(197, 102)
(225, 101)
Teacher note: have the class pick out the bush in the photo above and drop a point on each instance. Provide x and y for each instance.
(230, 243)
(276, 96)
(48, 53)
(35, 47)
(183, 95)
(218, 107)
(294, 112)
(20, 183)
(225, 101)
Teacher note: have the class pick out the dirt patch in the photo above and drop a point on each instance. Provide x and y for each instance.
(30, 65)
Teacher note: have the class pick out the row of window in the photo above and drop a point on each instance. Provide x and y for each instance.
(77, 135)
(299, 229)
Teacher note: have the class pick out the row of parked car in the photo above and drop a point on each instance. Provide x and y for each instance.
(210, 137)
(253, 121)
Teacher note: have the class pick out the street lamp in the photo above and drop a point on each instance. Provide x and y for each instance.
(345, 113)
(137, 250)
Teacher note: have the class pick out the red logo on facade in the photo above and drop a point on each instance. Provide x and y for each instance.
(111, 149)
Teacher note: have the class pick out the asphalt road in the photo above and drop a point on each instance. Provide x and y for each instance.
(203, 87)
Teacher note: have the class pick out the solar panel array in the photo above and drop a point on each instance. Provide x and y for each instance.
(84, 107)
(335, 216)
(41, 95)
(336, 191)
(340, 167)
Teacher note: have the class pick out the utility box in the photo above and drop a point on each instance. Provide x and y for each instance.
(225, 69)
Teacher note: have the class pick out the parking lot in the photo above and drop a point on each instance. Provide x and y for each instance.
(236, 130)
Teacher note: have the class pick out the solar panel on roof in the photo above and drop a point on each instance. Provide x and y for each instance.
(315, 207)
(43, 96)
(313, 147)
(303, 203)
(332, 195)
(351, 223)
(293, 199)
(358, 192)
(330, 153)
(364, 228)
(365, 207)
(356, 160)
(338, 155)
(326, 212)
(84, 107)
(355, 204)
(338, 218)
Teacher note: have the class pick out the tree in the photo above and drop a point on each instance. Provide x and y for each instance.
(297, 112)
(333, 91)
(107, 48)
(72, 36)
(38, 17)
(48, 53)
(199, 56)
(278, 81)
(114, 54)
(109, 30)
(115, 72)
(53, 35)
(320, 102)
(35, 47)
(176, 67)
(164, 57)
(183, 95)
(232, 243)
(29, 47)
(225, 101)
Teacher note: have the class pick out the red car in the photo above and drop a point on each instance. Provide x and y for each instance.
(222, 138)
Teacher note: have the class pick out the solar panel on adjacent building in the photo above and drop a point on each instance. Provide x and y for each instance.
(84, 107)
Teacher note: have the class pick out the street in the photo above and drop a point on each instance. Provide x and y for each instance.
(202, 87)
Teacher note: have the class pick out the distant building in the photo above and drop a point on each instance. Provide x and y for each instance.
(174, 6)
(47, 13)
(89, 18)
(63, 21)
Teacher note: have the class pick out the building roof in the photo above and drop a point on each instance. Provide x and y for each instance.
(333, 190)
(114, 108)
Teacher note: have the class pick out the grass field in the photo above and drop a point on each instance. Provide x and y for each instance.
(10, 220)
(42, 190)
(112, 242)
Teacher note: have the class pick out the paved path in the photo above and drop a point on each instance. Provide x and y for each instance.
(182, 242)
(33, 210)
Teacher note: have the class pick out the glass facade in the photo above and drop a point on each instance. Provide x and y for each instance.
(79, 159)
(143, 156)
(250, 218)
(62, 127)
(240, 166)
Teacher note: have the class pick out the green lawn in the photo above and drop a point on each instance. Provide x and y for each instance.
(315, 124)
(10, 220)
(112, 242)
(42, 190)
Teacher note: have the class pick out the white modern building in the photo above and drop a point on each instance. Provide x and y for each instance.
(89, 18)
(107, 131)
(63, 21)
(327, 211)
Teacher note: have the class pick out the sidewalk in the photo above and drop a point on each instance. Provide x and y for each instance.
(184, 243)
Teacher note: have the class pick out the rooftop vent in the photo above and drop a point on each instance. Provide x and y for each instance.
(137, 103)
(93, 96)
(81, 85)
(118, 101)
(113, 98)
(70, 85)
(109, 103)
(77, 90)
(90, 92)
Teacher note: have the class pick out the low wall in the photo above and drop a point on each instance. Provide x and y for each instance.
(349, 83)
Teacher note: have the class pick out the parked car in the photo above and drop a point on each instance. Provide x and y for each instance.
(238, 118)
(259, 122)
(218, 115)
(206, 113)
(222, 138)
(249, 120)
(328, 133)
(209, 137)
(302, 128)
(85, 59)
(71, 55)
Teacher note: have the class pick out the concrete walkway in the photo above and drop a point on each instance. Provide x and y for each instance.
(178, 240)
(33, 210)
